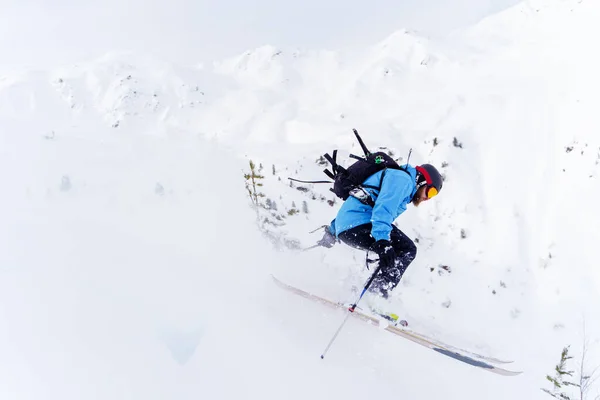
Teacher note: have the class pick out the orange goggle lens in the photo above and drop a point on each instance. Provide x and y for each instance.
(431, 192)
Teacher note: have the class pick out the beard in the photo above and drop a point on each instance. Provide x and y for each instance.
(416, 201)
(418, 197)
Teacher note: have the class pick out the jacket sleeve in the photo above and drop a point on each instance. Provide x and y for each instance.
(395, 188)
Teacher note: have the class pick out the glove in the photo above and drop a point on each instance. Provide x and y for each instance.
(386, 253)
(328, 240)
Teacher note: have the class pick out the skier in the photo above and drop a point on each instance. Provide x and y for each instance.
(367, 225)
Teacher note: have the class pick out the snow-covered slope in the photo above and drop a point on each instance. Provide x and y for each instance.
(131, 263)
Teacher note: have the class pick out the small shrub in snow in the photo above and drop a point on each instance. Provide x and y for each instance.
(441, 269)
(322, 162)
(390, 152)
(305, 207)
(456, 143)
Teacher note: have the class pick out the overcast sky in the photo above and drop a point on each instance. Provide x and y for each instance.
(53, 32)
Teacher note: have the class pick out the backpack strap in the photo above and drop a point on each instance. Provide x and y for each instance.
(362, 145)
(358, 158)
(378, 188)
(336, 168)
(333, 162)
(329, 174)
(331, 159)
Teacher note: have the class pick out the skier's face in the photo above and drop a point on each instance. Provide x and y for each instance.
(420, 196)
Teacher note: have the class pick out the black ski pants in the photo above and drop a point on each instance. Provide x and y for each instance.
(406, 251)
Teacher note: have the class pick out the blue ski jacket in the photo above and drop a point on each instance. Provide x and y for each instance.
(397, 190)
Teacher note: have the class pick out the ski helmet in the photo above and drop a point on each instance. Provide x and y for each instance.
(430, 176)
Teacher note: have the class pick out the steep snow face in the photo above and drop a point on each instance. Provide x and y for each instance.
(541, 77)
(129, 239)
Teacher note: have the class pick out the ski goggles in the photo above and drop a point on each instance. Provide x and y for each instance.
(431, 192)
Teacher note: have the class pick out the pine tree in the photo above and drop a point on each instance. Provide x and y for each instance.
(559, 380)
(253, 181)
(267, 218)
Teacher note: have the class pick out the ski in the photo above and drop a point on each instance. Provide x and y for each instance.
(395, 319)
(467, 357)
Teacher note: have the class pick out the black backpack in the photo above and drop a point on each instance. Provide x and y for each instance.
(349, 181)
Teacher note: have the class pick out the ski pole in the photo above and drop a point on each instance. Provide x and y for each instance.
(311, 247)
(350, 311)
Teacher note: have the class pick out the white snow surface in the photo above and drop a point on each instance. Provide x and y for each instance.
(132, 267)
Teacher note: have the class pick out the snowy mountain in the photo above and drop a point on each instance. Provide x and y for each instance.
(133, 266)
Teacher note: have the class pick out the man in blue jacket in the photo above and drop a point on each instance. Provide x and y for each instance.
(367, 227)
